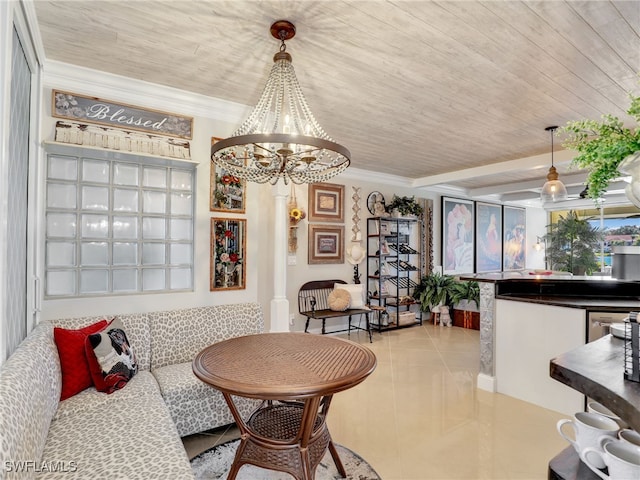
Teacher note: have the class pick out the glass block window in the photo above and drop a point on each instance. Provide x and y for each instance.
(117, 226)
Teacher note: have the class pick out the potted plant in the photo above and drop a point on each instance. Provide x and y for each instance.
(466, 295)
(572, 244)
(405, 206)
(434, 294)
(466, 304)
(602, 147)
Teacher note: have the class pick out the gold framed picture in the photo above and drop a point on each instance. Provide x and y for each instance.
(228, 254)
(326, 202)
(326, 244)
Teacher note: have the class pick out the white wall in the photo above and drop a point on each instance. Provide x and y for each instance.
(537, 220)
(215, 117)
(212, 117)
(527, 336)
(302, 272)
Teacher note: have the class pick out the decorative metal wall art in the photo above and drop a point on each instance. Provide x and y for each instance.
(356, 236)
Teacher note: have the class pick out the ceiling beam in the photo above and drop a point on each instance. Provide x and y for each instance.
(533, 185)
(520, 194)
(518, 165)
(586, 203)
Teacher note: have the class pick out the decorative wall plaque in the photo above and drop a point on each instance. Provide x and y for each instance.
(112, 114)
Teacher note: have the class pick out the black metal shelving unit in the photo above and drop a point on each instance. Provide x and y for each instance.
(393, 270)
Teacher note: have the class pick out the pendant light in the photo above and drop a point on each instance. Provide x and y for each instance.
(553, 190)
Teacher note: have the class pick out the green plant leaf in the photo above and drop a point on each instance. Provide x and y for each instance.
(602, 146)
(433, 290)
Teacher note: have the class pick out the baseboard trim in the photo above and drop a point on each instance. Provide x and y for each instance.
(487, 383)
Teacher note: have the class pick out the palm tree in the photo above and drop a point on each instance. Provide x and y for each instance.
(572, 244)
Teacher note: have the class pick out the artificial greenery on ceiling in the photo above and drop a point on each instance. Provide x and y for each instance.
(602, 146)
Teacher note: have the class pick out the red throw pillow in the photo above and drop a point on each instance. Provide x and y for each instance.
(112, 360)
(73, 360)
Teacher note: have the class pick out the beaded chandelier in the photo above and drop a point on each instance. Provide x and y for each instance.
(281, 138)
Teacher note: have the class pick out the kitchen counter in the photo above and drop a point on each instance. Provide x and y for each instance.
(564, 285)
(517, 305)
(533, 277)
(589, 293)
(549, 311)
(604, 303)
(597, 370)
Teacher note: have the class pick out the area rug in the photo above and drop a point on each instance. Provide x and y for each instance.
(214, 464)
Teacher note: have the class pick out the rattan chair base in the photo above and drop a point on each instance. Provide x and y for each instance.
(274, 443)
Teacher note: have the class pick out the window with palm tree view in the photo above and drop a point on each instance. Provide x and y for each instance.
(582, 242)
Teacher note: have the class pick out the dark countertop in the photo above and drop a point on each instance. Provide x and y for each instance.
(568, 466)
(610, 304)
(530, 276)
(597, 370)
(588, 293)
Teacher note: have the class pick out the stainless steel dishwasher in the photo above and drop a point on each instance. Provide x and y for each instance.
(599, 323)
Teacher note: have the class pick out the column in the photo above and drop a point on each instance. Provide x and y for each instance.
(486, 377)
(279, 303)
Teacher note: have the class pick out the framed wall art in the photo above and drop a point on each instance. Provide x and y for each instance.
(326, 244)
(326, 202)
(228, 249)
(488, 237)
(515, 235)
(376, 204)
(458, 235)
(226, 192)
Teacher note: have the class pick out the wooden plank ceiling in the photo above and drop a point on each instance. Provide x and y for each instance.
(412, 88)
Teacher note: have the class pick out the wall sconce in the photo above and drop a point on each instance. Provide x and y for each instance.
(538, 246)
(541, 244)
(296, 215)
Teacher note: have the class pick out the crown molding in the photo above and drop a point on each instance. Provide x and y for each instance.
(361, 175)
(81, 80)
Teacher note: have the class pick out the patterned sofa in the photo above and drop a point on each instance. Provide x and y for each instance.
(133, 433)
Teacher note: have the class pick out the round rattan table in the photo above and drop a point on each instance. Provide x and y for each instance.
(296, 375)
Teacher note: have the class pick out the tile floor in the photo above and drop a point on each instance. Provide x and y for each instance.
(419, 415)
